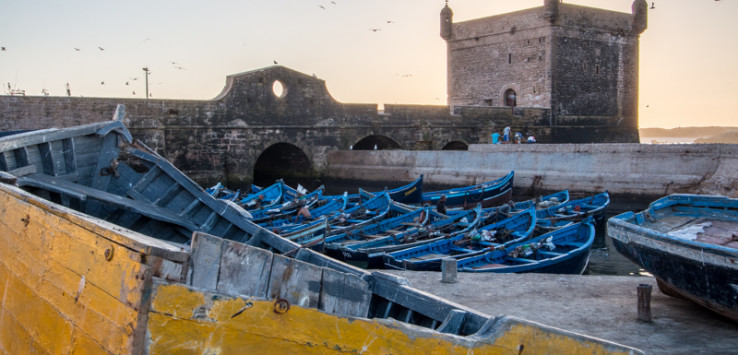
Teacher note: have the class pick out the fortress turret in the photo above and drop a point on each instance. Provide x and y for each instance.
(551, 10)
(640, 16)
(447, 19)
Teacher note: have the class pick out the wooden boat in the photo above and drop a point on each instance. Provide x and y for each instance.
(369, 252)
(543, 202)
(562, 251)
(689, 243)
(90, 264)
(271, 196)
(488, 194)
(319, 209)
(287, 209)
(428, 257)
(408, 194)
(338, 246)
(574, 211)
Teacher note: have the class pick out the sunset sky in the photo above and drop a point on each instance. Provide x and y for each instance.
(687, 54)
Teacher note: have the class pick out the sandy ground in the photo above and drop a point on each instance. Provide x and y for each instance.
(601, 306)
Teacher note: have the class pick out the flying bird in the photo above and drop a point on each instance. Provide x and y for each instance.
(275, 62)
(101, 48)
(322, 7)
(390, 21)
(102, 82)
(333, 2)
(653, 5)
(134, 93)
(76, 49)
(126, 83)
(375, 29)
(2, 48)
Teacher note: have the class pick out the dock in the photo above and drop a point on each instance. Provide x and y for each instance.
(596, 305)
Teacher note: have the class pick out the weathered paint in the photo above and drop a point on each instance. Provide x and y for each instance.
(187, 320)
(59, 293)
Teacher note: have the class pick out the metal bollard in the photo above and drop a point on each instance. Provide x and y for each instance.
(448, 270)
(644, 303)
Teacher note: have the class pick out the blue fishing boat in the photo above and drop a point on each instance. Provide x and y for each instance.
(271, 195)
(573, 211)
(439, 227)
(339, 246)
(497, 234)
(408, 194)
(543, 202)
(561, 251)
(689, 243)
(488, 194)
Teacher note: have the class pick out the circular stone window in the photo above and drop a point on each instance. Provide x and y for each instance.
(279, 89)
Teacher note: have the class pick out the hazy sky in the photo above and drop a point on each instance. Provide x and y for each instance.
(688, 75)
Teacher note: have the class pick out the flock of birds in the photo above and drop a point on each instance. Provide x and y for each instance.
(175, 65)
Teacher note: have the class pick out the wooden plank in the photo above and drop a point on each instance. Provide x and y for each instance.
(295, 281)
(107, 157)
(24, 170)
(21, 156)
(70, 158)
(344, 294)
(453, 322)
(244, 270)
(206, 254)
(65, 187)
(48, 163)
(48, 135)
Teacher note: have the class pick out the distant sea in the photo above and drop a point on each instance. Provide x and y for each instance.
(667, 140)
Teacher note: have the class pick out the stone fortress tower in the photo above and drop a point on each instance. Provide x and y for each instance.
(581, 63)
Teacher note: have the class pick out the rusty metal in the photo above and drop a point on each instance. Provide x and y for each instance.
(281, 306)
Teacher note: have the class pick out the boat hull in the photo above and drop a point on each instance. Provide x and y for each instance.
(703, 278)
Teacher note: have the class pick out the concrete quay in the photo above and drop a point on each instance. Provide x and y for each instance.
(628, 171)
(601, 306)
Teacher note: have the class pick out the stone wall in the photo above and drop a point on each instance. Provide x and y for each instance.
(643, 171)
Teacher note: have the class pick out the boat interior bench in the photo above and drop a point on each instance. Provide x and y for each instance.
(81, 192)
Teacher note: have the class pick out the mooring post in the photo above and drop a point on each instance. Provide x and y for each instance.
(448, 270)
(644, 302)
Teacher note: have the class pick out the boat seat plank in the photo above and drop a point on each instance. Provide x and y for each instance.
(522, 260)
(24, 170)
(548, 253)
(82, 192)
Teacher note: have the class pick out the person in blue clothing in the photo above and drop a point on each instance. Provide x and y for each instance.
(495, 138)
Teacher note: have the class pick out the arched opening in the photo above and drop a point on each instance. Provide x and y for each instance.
(376, 143)
(278, 89)
(282, 161)
(510, 98)
(455, 145)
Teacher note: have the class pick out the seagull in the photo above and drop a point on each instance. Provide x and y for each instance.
(126, 83)
(76, 49)
(134, 93)
(333, 2)
(101, 48)
(2, 48)
(102, 82)
(653, 5)
(375, 29)
(390, 21)
(322, 7)
(275, 62)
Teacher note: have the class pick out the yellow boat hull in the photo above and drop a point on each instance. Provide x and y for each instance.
(75, 284)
